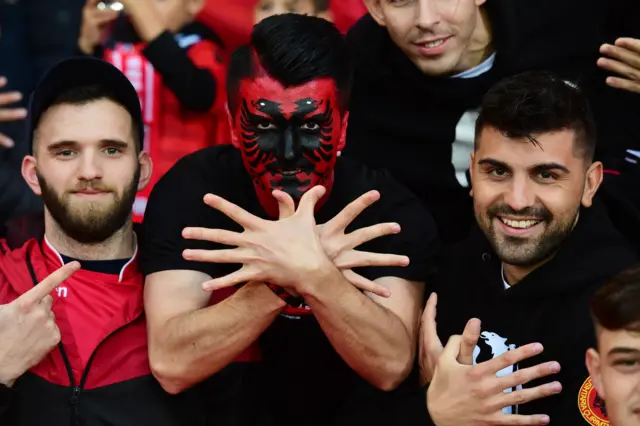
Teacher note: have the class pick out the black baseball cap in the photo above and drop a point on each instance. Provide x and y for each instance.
(77, 72)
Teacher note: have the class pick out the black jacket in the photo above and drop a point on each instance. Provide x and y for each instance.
(550, 305)
(407, 122)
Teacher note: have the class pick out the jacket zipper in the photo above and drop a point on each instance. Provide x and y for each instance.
(76, 391)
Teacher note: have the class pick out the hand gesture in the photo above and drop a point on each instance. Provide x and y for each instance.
(94, 25)
(340, 247)
(28, 330)
(470, 395)
(623, 58)
(9, 114)
(430, 348)
(282, 252)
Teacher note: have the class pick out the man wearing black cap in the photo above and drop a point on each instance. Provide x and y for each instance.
(91, 366)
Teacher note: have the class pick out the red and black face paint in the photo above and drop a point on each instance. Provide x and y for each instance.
(289, 137)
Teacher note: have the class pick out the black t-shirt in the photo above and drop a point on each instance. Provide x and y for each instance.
(303, 371)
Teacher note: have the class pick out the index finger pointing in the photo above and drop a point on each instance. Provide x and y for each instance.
(510, 358)
(46, 286)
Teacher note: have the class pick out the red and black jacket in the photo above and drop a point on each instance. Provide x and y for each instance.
(99, 374)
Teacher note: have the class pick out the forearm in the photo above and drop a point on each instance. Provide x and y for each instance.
(191, 347)
(370, 338)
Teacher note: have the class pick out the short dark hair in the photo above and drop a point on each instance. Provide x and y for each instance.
(616, 306)
(293, 49)
(537, 102)
(82, 95)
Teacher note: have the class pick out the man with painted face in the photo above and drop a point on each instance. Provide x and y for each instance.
(544, 245)
(328, 350)
(422, 67)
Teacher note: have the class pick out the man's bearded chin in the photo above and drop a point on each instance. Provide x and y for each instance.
(90, 223)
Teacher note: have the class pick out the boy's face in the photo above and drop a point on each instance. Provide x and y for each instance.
(266, 8)
(615, 372)
(177, 13)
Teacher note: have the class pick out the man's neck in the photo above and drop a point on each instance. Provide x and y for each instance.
(120, 245)
(480, 46)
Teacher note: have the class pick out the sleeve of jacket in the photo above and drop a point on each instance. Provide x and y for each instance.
(195, 75)
(6, 394)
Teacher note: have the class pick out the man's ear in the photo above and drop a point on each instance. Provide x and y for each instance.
(235, 141)
(343, 131)
(592, 182)
(594, 365)
(30, 174)
(375, 10)
(146, 169)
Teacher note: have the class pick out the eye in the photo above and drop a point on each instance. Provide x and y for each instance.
(627, 364)
(499, 173)
(112, 151)
(310, 125)
(546, 175)
(65, 153)
(266, 125)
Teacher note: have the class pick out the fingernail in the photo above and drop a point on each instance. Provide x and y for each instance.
(555, 387)
(554, 368)
(387, 294)
(3, 80)
(537, 348)
(544, 420)
(186, 253)
(396, 228)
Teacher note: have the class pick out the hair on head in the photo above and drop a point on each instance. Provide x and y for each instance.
(293, 49)
(536, 102)
(616, 306)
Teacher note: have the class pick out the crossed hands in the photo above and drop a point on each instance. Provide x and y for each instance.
(285, 252)
(623, 58)
(463, 394)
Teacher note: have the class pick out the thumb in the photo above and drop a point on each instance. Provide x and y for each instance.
(469, 340)
(430, 340)
(310, 199)
(451, 350)
(286, 205)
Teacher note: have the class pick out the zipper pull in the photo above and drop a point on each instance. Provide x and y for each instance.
(75, 396)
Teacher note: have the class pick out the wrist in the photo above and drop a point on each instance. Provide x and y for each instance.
(86, 46)
(323, 278)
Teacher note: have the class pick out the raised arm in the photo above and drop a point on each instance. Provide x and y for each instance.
(189, 340)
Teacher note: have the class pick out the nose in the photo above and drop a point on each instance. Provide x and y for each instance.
(289, 149)
(89, 166)
(520, 194)
(427, 14)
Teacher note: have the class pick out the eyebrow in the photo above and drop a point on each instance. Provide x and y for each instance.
(537, 167)
(624, 351)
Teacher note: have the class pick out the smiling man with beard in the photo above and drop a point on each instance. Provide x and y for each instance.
(87, 164)
(543, 246)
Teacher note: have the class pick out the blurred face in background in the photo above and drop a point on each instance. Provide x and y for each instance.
(266, 8)
(441, 37)
(177, 13)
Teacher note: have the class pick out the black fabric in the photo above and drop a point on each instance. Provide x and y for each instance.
(112, 267)
(306, 381)
(549, 306)
(120, 404)
(7, 396)
(405, 121)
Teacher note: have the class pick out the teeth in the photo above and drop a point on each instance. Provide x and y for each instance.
(520, 224)
(291, 172)
(433, 44)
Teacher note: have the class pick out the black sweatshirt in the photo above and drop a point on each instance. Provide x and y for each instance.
(405, 121)
(549, 306)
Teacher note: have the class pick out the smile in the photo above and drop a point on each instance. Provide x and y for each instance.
(519, 224)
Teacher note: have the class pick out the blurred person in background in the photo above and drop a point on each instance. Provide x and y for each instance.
(613, 389)
(176, 65)
(266, 8)
(422, 67)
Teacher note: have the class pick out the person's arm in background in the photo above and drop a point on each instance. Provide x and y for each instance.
(94, 28)
(196, 80)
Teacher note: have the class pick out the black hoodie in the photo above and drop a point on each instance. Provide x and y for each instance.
(405, 121)
(549, 306)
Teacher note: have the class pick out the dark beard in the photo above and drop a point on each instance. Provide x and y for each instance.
(523, 252)
(93, 227)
